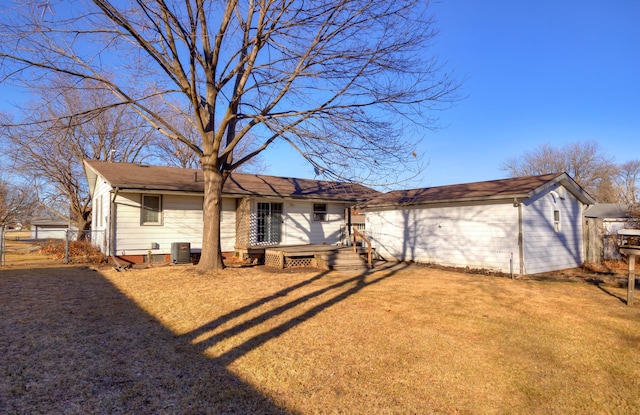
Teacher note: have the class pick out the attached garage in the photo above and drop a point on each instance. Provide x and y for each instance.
(524, 225)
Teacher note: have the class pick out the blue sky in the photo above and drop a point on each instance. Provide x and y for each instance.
(535, 72)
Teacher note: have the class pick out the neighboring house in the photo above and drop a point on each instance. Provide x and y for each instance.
(49, 228)
(522, 225)
(140, 212)
(602, 222)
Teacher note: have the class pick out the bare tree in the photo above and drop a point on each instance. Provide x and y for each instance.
(16, 203)
(628, 182)
(176, 153)
(65, 125)
(338, 80)
(586, 162)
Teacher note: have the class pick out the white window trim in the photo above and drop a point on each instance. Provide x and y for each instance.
(142, 211)
(324, 213)
(556, 221)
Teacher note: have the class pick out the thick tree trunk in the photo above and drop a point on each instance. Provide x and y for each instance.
(84, 226)
(211, 256)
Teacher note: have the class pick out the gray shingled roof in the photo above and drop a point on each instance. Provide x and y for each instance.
(607, 210)
(129, 176)
(517, 187)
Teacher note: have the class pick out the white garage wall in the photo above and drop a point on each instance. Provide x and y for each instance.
(480, 236)
(544, 248)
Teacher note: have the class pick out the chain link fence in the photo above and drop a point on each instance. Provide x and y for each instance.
(20, 248)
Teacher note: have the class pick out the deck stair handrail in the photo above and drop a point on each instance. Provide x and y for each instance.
(356, 234)
(632, 251)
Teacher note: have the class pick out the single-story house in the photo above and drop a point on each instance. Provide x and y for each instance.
(50, 228)
(143, 212)
(522, 225)
(602, 222)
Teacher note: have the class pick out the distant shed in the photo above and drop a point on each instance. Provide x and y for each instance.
(49, 228)
(602, 222)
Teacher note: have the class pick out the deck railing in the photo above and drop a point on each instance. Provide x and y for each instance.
(356, 234)
(346, 237)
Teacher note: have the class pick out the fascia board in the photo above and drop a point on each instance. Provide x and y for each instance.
(465, 201)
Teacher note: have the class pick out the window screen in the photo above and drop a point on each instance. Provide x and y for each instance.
(319, 212)
(151, 210)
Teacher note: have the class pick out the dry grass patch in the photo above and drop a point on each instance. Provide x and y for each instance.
(413, 340)
(20, 251)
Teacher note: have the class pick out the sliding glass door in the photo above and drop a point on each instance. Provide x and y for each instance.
(269, 223)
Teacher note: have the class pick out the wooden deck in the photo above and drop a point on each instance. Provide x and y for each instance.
(299, 255)
(317, 256)
(258, 251)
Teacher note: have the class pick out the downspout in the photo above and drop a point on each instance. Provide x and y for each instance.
(520, 239)
(112, 228)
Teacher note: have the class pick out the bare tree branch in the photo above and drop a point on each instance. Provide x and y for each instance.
(58, 132)
(340, 80)
(586, 162)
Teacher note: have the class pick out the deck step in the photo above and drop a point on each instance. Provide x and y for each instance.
(345, 260)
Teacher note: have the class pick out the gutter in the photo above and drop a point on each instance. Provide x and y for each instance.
(504, 198)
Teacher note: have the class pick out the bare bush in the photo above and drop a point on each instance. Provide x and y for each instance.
(80, 252)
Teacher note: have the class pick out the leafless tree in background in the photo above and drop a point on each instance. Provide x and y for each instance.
(629, 185)
(339, 80)
(70, 122)
(628, 182)
(16, 203)
(586, 162)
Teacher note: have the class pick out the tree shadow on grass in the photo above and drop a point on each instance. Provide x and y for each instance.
(72, 343)
(303, 306)
(598, 283)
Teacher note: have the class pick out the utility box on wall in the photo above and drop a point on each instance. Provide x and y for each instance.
(180, 252)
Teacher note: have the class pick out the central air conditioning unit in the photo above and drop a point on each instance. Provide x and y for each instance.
(180, 252)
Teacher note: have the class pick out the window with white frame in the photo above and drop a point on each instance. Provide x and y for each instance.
(556, 220)
(151, 211)
(319, 212)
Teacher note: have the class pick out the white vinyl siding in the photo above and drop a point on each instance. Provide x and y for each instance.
(182, 222)
(100, 221)
(548, 245)
(475, 236)
(485, 236)
(298, 226)
(228, 225)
